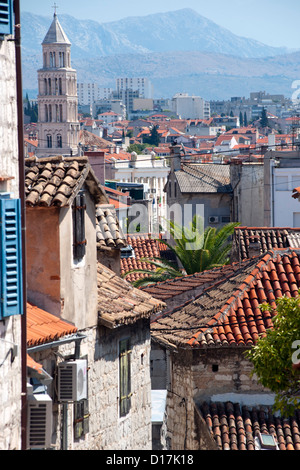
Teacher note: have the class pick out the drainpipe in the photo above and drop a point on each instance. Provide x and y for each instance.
(23, 224)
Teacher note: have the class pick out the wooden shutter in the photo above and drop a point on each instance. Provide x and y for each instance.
(79, 226)
(125, 382)
(10, 257)
(81, 418)
(6, 17)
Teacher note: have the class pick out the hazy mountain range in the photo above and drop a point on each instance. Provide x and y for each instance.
(179, 51)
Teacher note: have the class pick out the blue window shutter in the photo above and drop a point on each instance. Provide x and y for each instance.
(6, 17)
(10, 257)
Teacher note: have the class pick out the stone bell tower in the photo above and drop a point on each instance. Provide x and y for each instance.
(58, 125)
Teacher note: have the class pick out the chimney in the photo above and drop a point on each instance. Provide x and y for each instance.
(175, 157)
(254, 247)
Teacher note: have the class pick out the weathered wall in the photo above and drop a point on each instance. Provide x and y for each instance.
(196, 377)
(8, 118)
(247, 179)
(107, 431)
(79, 281)
(10, 329)
(43, 266)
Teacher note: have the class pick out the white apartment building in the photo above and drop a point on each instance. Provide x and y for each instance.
(282, 175)
(190, 107)
(152, 172)
(88, 93)
(141, 84)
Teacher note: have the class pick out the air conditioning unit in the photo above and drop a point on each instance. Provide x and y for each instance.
(72, 380)
(213, 219)
(39, 421)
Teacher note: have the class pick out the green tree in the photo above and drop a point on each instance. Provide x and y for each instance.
(276, 355)
(264, 119)
(137, 148)
(154, 138)
(195, 249)
(241, 119)
(245, 119)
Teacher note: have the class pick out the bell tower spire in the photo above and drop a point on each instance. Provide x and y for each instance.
(58, 125)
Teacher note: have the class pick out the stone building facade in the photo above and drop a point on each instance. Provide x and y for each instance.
(10, 326)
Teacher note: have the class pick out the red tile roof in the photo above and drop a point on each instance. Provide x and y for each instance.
(144, 247)
(172, 287)
(119, 303)
(228, 313)
(266, 237)
(236, 427)
(43, 327)
(296, 192)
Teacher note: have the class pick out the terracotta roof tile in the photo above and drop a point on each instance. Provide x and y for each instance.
(267, 238)
(43, 327)
(55, 181)
(172, 287)
(108, 230)
(229, 313)
(144, 246)
(119, 303)
(237, 427)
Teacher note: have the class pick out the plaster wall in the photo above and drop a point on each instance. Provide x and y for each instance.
(107, 430)
(78, 280)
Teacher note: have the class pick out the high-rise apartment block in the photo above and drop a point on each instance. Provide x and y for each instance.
(89, 93)
(142, 85)
(190, 107)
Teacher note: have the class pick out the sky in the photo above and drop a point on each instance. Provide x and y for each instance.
(273, 22)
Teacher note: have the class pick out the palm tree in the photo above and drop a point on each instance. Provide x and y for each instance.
(196, 250)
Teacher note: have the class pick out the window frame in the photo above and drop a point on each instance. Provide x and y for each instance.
(124, 376)
(78, 216)
(11, 287)
(6, 20)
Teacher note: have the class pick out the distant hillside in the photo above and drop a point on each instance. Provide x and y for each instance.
(179, 51)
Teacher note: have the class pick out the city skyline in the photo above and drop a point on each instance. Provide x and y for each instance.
(266, 21)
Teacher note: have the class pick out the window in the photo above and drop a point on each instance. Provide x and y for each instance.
(124, 376)
(10, 258)
(296, 219)
(59, 141)
(6, 17)
(81, 418)
(266, 441)
(282, 183)
(49, 141)
(79, 241)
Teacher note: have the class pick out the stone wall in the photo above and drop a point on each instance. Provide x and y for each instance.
(107, 431)
(197, 376)
(10, 329)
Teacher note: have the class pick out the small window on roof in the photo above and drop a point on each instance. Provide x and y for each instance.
(267, 441)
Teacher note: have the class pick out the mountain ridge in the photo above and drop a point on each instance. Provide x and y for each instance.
(103, 52)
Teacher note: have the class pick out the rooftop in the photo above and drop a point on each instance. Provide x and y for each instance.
(228, 313)
(56, 34)
(43, 327)
(119, 303)
(55, 181)
(237, 427)
(204, 178)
